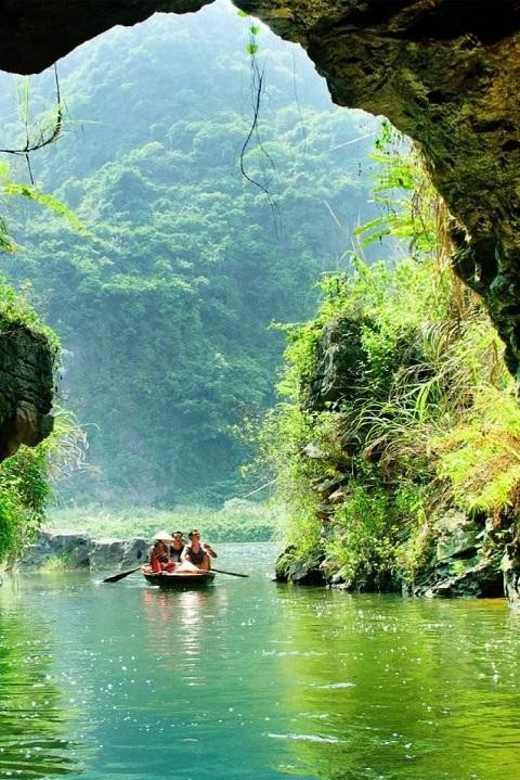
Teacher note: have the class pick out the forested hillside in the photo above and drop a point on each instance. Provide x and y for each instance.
(163, 302)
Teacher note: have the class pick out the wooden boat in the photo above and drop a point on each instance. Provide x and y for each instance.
(182, 580)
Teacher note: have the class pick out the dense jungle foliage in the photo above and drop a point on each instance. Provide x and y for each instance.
(398, 436)
(399, 425)
(164, 298)
(26, 478)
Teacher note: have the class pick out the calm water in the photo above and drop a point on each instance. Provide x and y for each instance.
(254, 681)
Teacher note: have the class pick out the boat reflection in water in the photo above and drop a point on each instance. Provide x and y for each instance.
(180, 625)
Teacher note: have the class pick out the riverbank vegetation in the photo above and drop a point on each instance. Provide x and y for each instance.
(236, 521)
(29, 481)
(24, 490)
(396, 443)
(26, 477)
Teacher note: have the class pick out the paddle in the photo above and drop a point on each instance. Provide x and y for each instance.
(232, 573)
(123, 574)
(117, 577)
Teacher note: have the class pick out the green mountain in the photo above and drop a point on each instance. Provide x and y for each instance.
(163, 302)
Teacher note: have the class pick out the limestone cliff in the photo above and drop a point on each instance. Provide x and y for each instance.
(26, 387)
(366, 486)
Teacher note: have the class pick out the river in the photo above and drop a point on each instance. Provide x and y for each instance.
(254, 681)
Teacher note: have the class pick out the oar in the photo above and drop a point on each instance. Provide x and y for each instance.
(232, 573)
(123, 574)
(117, 577)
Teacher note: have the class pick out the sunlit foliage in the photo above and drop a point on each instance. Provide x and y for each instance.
(425, 422)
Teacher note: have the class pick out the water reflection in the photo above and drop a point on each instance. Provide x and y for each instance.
(401, 691)
(34, 713)
(250, 680)
(178, 623)
(184, 614)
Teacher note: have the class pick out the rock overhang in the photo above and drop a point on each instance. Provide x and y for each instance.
(443, 71)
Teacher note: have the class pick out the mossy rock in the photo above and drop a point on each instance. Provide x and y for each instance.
(304, 570)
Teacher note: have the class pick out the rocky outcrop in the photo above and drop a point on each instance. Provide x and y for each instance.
(339, 368)
(350, 478)
(36, 33)
(292, 568)
(26, 387)
(80, 551)
(482, 580)
(464, 564)
(465, 560)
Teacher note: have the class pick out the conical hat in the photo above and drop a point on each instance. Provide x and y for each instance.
(163, 536)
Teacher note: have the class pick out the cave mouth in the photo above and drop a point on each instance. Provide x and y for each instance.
(441, 74)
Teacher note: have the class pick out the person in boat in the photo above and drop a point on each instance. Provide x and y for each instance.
(198, 554)
(159, 554)
(176, 549)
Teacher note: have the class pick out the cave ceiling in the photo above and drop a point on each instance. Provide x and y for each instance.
(445, 72)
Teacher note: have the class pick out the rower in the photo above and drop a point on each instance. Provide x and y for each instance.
(198, 554)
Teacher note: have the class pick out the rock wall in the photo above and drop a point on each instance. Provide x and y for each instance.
(36, 33)
(26, 387)
(453, 553)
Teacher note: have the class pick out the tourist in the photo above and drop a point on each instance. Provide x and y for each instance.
(159, 554)
(176, 549)
(198, 554)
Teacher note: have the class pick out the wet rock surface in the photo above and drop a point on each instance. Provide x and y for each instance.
(482, 579)
(299, 571)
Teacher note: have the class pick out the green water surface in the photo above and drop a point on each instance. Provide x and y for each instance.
(254, 681)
